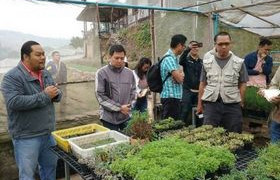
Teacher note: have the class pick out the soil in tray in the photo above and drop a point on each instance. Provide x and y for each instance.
(97, 143)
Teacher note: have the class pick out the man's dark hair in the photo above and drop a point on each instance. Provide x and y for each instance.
(140, 64)
(193, 42)
(221, 34)
(55, 52)
(116, 48)
(178, 39)
(264, 41)
(26, 48)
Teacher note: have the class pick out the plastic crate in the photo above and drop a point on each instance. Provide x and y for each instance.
(77, 142)
(60, 135)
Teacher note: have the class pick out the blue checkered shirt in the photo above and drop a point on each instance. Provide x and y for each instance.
(171, 89)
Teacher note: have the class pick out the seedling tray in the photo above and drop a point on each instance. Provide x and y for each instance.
(72, 161)
(62, 136)
(78, 143)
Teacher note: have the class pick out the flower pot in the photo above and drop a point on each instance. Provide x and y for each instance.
(256, 114)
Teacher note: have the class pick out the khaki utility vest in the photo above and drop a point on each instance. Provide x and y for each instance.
(222, 81)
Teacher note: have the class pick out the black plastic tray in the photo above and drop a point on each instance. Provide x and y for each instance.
(244, 157)
(72, 161)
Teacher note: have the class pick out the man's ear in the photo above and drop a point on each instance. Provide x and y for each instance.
(25, 57)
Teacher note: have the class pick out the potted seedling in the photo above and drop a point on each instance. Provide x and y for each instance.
(139, 128)
(168, 124)
(256, 106)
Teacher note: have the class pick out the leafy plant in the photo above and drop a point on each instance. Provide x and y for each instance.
(235, 175)
(253, 101)
(101, 160)
(139, 127)
(266, 166)
(167, 124)
(143, 36)
(173, 159)
(209, 136)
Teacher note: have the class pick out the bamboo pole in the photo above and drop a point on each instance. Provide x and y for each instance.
(152, 97)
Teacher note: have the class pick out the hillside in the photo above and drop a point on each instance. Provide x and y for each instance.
(11, 41)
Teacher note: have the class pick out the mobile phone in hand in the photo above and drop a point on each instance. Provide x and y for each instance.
(200, 44)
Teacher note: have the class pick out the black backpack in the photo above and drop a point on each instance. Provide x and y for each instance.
(154, 78)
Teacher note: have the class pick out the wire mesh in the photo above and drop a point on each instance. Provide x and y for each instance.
(244, 157)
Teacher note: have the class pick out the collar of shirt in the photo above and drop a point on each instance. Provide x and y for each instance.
(35, 75)
(170, 52)
(113, 68)
(191, 59)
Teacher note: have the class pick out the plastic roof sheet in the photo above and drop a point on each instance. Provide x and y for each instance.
(267, 9)
(242, 17)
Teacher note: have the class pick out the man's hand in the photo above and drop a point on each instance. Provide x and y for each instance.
(263, 55)
(178, 76)
(190, 46)
(202, 86)
(125, 109)
(52, 91)
(276, 100)
(260, 92)
(242, 104)
(199, 109)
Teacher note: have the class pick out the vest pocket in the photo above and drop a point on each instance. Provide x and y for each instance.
(207, 93)
(233, 95)
(228, 77)
(212, 77)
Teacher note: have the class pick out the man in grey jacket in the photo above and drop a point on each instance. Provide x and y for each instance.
(29, 92)
(115, 90)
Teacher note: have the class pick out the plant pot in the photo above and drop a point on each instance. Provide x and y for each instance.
(138, 141)
(256, 114)
(248, 146)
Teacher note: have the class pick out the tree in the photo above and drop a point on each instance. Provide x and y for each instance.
(77, 42)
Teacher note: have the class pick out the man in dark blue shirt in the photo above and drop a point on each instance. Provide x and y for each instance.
(192, 65)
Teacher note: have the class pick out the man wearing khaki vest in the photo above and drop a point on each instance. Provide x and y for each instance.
(222, 86)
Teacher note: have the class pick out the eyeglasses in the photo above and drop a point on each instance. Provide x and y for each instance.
(223, 44)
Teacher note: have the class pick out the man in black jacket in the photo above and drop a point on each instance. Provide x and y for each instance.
(192, 65)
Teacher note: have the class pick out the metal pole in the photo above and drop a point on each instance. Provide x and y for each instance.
(216, 23)
(67, 172)
(152, 31)
(124, 5)
(201, 4)
(252, 14)
(245, 6)
(98, 25)
(85, 34)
